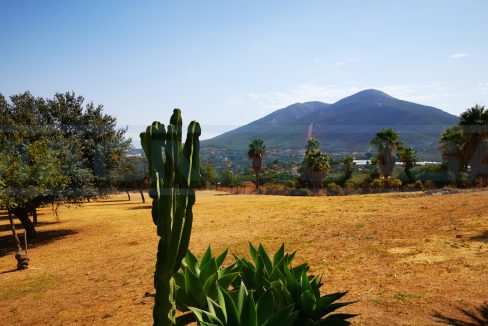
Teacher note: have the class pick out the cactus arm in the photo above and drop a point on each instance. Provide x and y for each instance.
(191, 172)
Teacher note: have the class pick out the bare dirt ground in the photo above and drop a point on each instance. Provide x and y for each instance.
(406, 257)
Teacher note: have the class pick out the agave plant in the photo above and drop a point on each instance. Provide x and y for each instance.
(198, 281)
(291, 286)
(242, 310)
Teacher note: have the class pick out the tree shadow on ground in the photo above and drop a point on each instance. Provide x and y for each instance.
(7, 245)
(476, 317)
(18, 226)
(140, 207)
(482, 237)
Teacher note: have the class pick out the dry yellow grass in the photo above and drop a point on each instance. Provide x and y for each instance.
(403, 256)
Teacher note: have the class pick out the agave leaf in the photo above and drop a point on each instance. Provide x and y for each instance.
(265, 306)
(248, 315)
(278, 256)
(226, 280)
(184, 300)
(265, 258)
(253, 251)
(192, 263)
(209, 283)
(282, 317)
(194, 288)
(208, 269)
(180, 278)
(241, 297)
(305, 282)
(221, 258)
(230, 309)
(224, 271)
(207, 256)
(308, 303)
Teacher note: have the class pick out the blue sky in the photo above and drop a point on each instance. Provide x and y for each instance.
(226, 63)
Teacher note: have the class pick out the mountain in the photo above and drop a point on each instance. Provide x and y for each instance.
(346, 126)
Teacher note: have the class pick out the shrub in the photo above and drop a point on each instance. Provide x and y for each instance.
(291, 184)
(391, 183)
(301, 192)
(334, 189)
(267, 291)
(417, 185)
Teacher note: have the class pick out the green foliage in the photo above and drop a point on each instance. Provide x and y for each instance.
(133, 174)
(385, 183)
(348, 165)
(436, 173)
(62, 139)
(256, 152)
(334, 189)
(227, 178)
(242, 310)
(266, 290)
(315, 164)
(387, 143)
(409, 158)
(208, 176)
(198, 280)
(175, 172)
(289, 286)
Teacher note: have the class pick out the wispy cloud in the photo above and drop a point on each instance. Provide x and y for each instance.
(302, 93)
(339, 63)
(483, 87)
(435, 94)
(458, 55)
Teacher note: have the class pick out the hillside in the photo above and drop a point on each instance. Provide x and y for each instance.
(343, 127)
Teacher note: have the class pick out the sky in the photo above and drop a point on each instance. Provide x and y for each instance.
(227, 63)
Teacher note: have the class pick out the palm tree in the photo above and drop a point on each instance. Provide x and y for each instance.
(386, 142)
(474, 124)
(256, 153)
(409, 158)
(315, 164)
(451, 146)
(348, 166)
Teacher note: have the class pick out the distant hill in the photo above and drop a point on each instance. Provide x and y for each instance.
(346, 126)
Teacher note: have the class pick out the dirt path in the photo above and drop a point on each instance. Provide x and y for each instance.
(405, 257)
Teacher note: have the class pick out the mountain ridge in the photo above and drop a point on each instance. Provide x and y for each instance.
(345, 126)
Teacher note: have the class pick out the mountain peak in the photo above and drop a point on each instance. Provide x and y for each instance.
(372, 92)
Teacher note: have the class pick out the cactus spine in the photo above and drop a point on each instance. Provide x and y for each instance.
(175, 172)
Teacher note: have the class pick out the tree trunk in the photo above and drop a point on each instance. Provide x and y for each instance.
(34, 215)
(14, 233)
(142, 196)
(257, 181)
(29, 228)
(22, 260)
(128, 195)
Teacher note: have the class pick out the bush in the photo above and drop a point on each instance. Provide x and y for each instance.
(261, 291)
(290, 184)
(301, 192)
(417, 185)
(334, 189)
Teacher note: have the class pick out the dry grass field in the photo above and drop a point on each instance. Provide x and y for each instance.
(404, 256)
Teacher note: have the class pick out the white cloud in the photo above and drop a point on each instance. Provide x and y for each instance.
(483, 87)
(302, 93)
(458, 55)
(434, 94)
(339, 63)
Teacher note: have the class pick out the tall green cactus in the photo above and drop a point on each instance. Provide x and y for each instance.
(175, 172)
